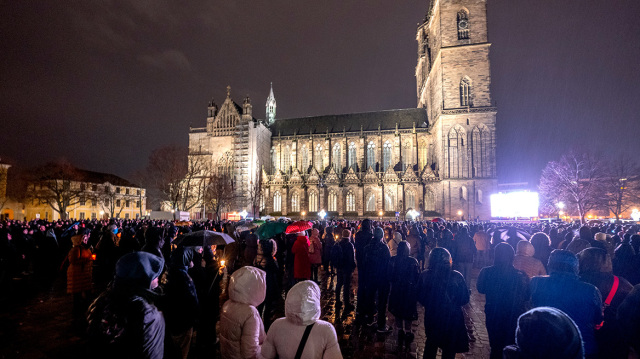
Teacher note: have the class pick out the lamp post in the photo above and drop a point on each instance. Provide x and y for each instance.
(101, 214)
(322, 214)
(381, 214)
(460, 214)
(303, 214)
(244, 214)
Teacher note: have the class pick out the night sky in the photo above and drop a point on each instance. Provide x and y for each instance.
(103, 83)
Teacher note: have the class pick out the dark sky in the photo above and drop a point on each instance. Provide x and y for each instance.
(103, 83)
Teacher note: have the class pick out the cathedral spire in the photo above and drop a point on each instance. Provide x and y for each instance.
(270, 107)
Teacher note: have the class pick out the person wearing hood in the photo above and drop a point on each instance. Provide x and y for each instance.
(595, 268)
(547, 333)
(524, 260)
(315, 253)
(403, 272)
(442, 292)
(344, 268)
(563, 289)
(328, 241)
(362, 239)
(301, 263)
(79, 274)
(376, 260)
(393, 243)
(507, 292)
(154, 241)
(301, 333)
(241, 329)
(182, 309)
(123, 321)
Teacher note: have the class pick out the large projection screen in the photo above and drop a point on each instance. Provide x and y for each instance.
(514, 205)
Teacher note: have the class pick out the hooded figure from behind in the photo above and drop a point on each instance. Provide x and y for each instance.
(241, 328)
(507, 291)
(302, 309)
(546, 333)
(525, 260)
(123, 321)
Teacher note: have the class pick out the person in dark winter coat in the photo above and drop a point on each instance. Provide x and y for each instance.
(507, 292)
(345, 270)
(546, 333)
(595, 268)
(181, 300)
(376, 260)
(154, 241)
(328, 241)
(209, 300)
(629, 319)
(251, 249)
(123, 321)
(403, 273)
(542, 245)
(267, 262)
(442, 292)
(464, 249)
(563, 290)
(362, 240)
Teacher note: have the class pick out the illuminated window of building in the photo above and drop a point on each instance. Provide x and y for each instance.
(317, 158)
(286, 159)
(410, 199)
(371, 203)
(295, 203)
(333, 201)
(422, 155)
(389, 202)
(351, 202)
(304, 154)
(313, 201)
(481, 139)
(386, 155)
(455, 152)
(407, 155)
(353, 155)
(277, 202)
(371, 155)
(337, 157)
(274, 160)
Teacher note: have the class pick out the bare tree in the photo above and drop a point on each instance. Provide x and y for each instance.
(219, 192)
(111, 200)
(254, 194)
(176, 176)
(58, 185)
(622, 188)
(576, 179)
(4, 169)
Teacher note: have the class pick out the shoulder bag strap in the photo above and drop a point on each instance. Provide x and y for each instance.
(612, 293)
(303, 341)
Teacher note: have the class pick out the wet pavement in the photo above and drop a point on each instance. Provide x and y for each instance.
(40, 326)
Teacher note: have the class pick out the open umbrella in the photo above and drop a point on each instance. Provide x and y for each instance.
(270, 229)
(183, 223)
(438, 220)
(246, 227)
(258, 221)
(203, 238)
(299, 226)
(504, 233)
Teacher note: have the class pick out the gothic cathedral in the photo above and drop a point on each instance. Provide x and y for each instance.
(438, 158)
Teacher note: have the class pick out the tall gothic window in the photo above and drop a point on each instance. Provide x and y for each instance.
(262, 202)
(463, 25)
(277, 202)
(386, 155)
(371, 155)
(313, 201)
(481, 139)
(317, 158)
(353, 155)
(389, 202)
(274, 161)
(295, 203)
(304, 154)
(337, 158)
(407, 156)
(410, 200)
(351, 202)
(286, 159)
(455, 151)
(465, 92)
(333, 201)
(422, 154)
(429, 200)
(371, 203)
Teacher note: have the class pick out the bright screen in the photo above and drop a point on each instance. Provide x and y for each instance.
(514, 204)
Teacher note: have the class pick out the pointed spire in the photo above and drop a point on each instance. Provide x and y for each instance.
(228, 91)
(270, 107)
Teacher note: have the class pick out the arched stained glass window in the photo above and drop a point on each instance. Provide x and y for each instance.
(295, 203)
(333, 201)
(389, 202)
(423, 155)
(274, 161)
(337, 157)
(480, 156)
(386, 155)
(277, 202)
(371, 203)
(304, 155)
(371, 155)
(313, 201)
(465, 92)
(455, 152)
(317, 158)
(351, 202)
(407, 155)
(410, 199)
(286, 159)
(463, 24)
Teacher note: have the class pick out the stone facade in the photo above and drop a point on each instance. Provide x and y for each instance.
(438, 158)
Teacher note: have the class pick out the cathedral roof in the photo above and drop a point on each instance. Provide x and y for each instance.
(353, 122)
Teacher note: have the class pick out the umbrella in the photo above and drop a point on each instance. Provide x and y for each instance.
(246, 227)
(438, 220)
(298, 226)
(258, 221)
(203, 239)
(270, 229)
(504, 233)
(267, 218)
(183, 223)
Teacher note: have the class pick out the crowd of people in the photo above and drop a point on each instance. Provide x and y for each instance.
(552, 290)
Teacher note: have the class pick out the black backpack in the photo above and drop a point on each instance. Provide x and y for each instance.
(336, 256)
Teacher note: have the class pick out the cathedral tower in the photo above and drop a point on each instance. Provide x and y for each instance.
(453, 83)
(270, 115)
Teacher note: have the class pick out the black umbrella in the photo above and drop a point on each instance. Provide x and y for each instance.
(203, 238)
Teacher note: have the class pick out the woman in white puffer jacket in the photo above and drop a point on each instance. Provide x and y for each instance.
(241, 328)
(302, 308)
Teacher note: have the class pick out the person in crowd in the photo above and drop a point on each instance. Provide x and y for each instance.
(362, 239)
(446, 240)
(414, 241)
(481, 239)
(376, 260)
(403, 272)
(394, 242)
(546, 333)
(315, 254)
(289, 239)
(301, 263)
(595, 268)
(328, 240)
(442, 292)
(580, 242)
(251, 248)
(464, 249)
(507, 292)
(542, 247)
(623, 260)
(107, 255)
(266, 261)
(629, 319)
(209, 301)
(124, 321)
(301, 333)
(241, 329)
(345, 265)
(79, 275)
(525, 261)
(562, 289)
(182, 310)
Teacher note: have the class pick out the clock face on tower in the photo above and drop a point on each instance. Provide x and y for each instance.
(463, 24)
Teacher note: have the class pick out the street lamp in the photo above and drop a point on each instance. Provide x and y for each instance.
(303, 214)
(244, 214)
(413, 213)
(460, 214)
(102, 214)
(381, 214)
(635, 215)
(322, 214)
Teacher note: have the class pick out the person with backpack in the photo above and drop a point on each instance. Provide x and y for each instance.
(343, 256)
